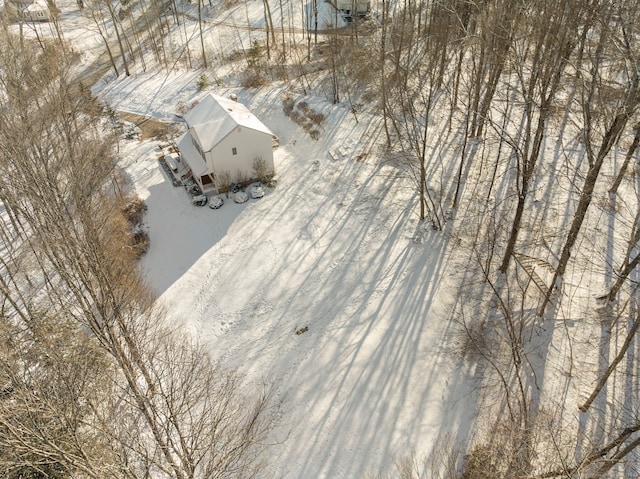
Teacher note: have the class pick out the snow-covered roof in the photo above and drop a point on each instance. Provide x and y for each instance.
(36, 5)
(29, 5)
(191, 156)
(214, 117)
(209, 134)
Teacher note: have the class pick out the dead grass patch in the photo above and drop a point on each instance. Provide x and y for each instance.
(303, 115)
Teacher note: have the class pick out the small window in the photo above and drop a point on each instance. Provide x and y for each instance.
(234, 151)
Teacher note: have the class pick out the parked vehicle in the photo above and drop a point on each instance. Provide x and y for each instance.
(192, 187)
(256, 191)
(240, 197)
(216, 202)
(172, 161)
(199, 200)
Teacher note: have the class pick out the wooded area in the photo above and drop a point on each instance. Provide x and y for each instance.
(518, 119)
(94, 383)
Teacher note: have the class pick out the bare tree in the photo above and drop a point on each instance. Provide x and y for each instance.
(623, 111)
(629, 264)
(204, 53)
(384, 20)
(416, 88)
(497, 26)
(58, 167)
(53, 375)
(120, 35)
(631, 334)
(625, 164)
(541, 65)
(101, 27)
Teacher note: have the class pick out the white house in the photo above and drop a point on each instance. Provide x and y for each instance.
(29, 10)
(353, 7)
(225, 143)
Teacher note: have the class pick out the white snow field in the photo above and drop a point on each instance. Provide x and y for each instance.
(335, 252)
(331, 248)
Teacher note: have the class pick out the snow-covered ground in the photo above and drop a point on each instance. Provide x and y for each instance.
(331, 248)
(336, 250)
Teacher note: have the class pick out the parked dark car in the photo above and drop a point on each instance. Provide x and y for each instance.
(199, 200)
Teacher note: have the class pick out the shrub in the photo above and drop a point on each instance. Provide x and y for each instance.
(254, 80)
(203, 82)
(304, 106)
(255, 74)
(297, 117)
(181, 108)
(302, 114)
(259, 168)
(140, 241)
(287, 105)
(315, 117)
(133, 209)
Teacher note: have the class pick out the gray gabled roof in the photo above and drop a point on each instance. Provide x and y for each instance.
(191, 157)
(214, 117)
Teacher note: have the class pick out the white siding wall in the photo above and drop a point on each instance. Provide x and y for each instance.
(355, 6)
(249, 145)
(28, 11)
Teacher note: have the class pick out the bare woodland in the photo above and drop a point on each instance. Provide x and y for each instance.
(93, 383)
(518, 123)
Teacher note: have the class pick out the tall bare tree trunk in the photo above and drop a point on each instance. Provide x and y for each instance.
(609, 140)
(620, 356)
(625, 164)
(383, 70)
(204, 52)
(554, 44)
(123, 53)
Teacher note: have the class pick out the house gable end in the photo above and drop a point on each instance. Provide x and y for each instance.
(223, 139)
(214, 118)
(211, 133)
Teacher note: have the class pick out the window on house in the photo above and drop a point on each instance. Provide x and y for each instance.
(234, 151)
